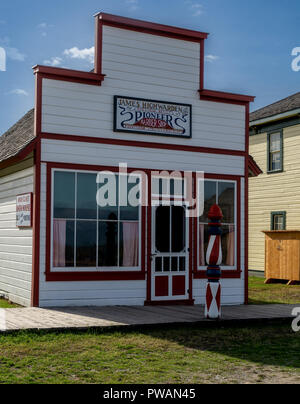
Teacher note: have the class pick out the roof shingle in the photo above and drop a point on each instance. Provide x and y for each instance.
(279, 107)
(17, 137)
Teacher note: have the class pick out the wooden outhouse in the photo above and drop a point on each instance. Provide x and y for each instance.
(282, 255)
(141, 126)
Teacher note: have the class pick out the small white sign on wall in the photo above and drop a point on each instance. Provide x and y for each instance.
(24, 210)
(149, 117)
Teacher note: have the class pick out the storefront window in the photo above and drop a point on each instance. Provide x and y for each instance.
(224, 194)
(87, 236)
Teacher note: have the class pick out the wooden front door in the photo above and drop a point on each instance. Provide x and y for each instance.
(170, 254)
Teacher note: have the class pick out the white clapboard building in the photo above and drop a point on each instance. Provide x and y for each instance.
(101, 185)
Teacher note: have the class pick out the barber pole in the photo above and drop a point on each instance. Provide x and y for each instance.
(214, 260)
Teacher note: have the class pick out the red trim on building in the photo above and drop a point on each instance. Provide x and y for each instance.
(254, 169)
(149, 241)
(36, 229)
(94, 276)
(76, 276)
(38, 104)
(225, 98)
(202, 60)
(226, 273)
(151, 28)
(247, 207)
(74, 76)
(98, 46)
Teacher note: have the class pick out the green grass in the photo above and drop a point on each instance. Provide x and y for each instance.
(260, 354)
(4, 304)
(257, 354)
(259, 293)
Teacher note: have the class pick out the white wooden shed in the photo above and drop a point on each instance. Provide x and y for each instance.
(143, 108)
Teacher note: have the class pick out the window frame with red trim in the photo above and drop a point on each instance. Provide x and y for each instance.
(96, 272)
(227, 271)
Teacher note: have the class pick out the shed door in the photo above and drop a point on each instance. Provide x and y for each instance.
(170, 255)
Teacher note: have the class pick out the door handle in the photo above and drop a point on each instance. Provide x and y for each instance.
(152, 256)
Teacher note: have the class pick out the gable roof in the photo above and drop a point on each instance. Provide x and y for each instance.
(17, 137)
(287, 104)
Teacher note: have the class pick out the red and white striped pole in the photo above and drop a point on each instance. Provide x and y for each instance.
(214, 260)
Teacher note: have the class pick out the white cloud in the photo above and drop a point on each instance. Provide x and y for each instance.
(14, 54)
(133, 4)
(44, 25)
(19, 91)
(211, 58)
(11, 53)
(54, 61)
(83, 54)
(197, 9)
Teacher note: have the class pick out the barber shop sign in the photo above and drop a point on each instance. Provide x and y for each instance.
(24, 210)
(136, 115)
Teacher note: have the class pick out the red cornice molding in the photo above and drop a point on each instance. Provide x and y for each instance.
(76, 76)
(151, 28)
(227, 98)
(253, 167)
(35, 284)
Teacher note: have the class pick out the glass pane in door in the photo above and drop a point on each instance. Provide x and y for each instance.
(162, 233)
(178, 229)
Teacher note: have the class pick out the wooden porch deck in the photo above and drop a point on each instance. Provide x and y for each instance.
(101, 317)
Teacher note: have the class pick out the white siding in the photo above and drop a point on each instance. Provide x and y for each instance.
(145, 66)
(15, 244)
(136, 157)
(232, 291)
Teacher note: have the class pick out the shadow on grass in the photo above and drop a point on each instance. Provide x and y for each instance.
(275, 345)
(272, 344)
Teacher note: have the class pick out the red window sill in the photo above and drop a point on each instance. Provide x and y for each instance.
(94, 276)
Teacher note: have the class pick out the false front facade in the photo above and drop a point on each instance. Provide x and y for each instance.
(140, 127)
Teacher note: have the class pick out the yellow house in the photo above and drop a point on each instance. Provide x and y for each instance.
(274, 196)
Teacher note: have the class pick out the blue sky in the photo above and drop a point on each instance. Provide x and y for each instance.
(248, 50)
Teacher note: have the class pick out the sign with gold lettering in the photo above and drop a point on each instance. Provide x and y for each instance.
(24, 210)
(137, 115)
